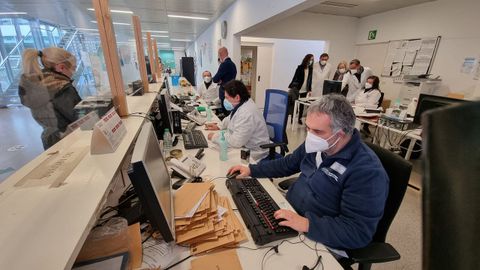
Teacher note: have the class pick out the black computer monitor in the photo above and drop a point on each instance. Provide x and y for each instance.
(429, 102)
(166, 118)
(150, 178)
(331, 86)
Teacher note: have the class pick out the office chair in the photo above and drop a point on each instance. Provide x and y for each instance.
(451, 187)
(380, 101)
(276, 113)
(398, 170)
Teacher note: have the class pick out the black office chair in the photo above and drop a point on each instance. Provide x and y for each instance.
(382, 94)
(398, 170)
(451, 187)
(276, 113)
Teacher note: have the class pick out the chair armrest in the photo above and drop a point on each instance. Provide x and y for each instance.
(376, 252)
(272, 145)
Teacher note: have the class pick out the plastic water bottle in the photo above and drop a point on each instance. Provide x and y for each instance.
(223, 147)
(167, 141)
(412, 107)
(209, 114)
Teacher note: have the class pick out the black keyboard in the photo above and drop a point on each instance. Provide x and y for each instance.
(194, 139)
(257, 208)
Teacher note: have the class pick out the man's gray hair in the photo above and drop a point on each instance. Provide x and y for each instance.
(339, 109)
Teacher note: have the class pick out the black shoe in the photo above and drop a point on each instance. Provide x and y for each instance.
(300, 122)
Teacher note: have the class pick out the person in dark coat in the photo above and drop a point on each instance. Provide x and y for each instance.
(48, 91)
(227, 71)
(301, 83)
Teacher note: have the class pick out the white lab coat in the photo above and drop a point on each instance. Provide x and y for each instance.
(319, 76)
(209, 94)
(247, 128)
(369, 99)
(354, 86)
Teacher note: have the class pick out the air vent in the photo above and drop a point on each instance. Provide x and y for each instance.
(338, 4)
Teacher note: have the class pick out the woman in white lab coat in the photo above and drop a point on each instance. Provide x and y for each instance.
(370, 97)
(245, 126)
(322, 70)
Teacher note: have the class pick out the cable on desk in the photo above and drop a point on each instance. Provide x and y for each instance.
(179, 262)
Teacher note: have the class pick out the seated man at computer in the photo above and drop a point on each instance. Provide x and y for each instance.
(245, 126)
(342, 188)
(208, 90)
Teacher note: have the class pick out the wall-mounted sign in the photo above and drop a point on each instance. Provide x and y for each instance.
(372, 34)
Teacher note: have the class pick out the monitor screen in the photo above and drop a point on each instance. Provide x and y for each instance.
(150, 178)
(330, 86)
(429, 102)
(165, 111)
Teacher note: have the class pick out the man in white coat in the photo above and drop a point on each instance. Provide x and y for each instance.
(355, 79)
(208, 90)
(322, 70)
(245, 126)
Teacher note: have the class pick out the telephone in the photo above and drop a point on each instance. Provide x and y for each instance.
(187, 166)
(196, 117)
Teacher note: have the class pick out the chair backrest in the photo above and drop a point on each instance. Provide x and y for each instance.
(451, 187)
(398, 171)
(380, 101)
(276, 113)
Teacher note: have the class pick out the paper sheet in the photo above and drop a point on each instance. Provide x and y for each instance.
(224, 260)
(409, 58)
(396, 69)
(158, 253)
(414, 45)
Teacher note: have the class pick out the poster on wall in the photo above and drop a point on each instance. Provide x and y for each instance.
(168, 58)
(477, 72)
(468, 65)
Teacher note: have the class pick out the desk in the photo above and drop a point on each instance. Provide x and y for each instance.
(45, 228)
(290, 256)
(411, 134)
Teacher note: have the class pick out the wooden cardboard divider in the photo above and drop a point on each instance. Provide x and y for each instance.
(140, 52)
(157, 59)
(151, 56)
(109, 46)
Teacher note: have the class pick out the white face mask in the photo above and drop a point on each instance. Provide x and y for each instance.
(353, 71)
(323, 62)
(342, 70)
(207, 79)
(315, 144)
(368, 85)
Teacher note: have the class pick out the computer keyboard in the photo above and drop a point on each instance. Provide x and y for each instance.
(194, 139)
(257, 209)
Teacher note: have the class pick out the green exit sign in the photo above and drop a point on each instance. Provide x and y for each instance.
(372, 34)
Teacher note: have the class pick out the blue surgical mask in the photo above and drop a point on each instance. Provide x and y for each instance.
(228, 106)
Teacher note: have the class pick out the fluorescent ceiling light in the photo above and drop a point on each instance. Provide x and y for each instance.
(87, 29)
(188, 17)
(178, 48)
(158, 36)
(13, 13)
(115, 11)
(163, 44)
(180, 39)
(116, 23)
(155, 31)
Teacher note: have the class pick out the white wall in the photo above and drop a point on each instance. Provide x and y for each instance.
(287, 55)
(456, 21)
(241, 16)
(338, 31)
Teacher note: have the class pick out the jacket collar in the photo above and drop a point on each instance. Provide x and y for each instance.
(236, 108)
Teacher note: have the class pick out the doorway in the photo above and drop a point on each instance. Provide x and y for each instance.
(248, 68)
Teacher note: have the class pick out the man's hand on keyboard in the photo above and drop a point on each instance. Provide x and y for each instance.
(292, 220)
(244, 171)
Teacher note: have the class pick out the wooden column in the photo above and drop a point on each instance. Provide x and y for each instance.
(110, 52)
(140, 52)
(157, 60)
(151, 56)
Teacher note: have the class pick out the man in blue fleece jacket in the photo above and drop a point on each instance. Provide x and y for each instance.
(342, 188)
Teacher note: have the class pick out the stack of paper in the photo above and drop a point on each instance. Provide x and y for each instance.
(204, 220)
(218, 261)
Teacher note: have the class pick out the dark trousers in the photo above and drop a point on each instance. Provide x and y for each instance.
(300, 110)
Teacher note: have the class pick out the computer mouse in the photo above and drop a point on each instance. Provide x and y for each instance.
(233, 174)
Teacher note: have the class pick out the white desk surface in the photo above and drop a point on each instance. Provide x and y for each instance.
(44, 228)
(290, 256)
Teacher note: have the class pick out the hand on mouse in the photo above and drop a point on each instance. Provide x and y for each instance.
(292, 220)
(244, 171)
(212, 126)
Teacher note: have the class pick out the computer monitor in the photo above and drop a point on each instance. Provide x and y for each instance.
(330, 86)
(150, 178)
(429, 102)
(166, 118)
